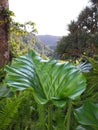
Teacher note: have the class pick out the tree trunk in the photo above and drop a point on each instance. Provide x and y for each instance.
(4, 32)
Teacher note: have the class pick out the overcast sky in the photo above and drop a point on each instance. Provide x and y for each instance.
(51, 16)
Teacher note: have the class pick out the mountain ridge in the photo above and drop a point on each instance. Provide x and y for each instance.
(49, 40)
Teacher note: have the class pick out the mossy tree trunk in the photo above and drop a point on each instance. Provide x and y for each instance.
(4, 32)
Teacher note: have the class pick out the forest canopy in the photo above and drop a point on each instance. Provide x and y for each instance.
(83, 35)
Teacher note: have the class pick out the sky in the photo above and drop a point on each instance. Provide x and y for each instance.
(51, 16)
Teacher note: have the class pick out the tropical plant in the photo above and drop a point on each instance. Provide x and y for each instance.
(92, 81)
(87, 115)
(53, 83)
(4, 91)
(8, 109)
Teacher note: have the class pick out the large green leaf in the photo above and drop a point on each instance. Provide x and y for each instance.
(84, 128)
(5, 92)
(51, 81)
(88, 115)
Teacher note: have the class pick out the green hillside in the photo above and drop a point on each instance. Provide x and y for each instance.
(29, 41)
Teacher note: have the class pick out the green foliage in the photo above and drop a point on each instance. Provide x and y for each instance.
(20, 111)
(63, 80)
(54, 91)
(6, 12)
(2, 74)
(17, 47)
(73, 45)
(25, 112)
(20, 28)
(92, 81)
(87, 115)
(4, 90)
(19, 37)
(22, 37)
(8, 109)
(27, 69)
(82, 37)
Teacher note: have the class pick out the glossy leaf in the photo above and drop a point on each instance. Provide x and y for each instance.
(88, 115)
(4, 92)
(52, 82)
(84, 128)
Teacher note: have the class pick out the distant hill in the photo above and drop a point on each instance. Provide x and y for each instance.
(37, 45)
(31, 41)
(42, 49)
(49, 40)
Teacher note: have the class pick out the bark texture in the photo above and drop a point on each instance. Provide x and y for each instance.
(4, 33)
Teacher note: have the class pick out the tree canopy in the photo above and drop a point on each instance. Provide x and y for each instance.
(82, 37)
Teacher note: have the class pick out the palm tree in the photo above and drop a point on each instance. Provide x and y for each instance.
(4, 25)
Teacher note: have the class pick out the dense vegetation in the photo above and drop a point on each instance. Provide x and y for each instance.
(83, 35)
(38, 93)
(36, 102)
(21, 40)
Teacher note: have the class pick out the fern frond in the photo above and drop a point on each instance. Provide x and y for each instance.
(7, 113)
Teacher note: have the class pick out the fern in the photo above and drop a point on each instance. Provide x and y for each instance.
(7, 112)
